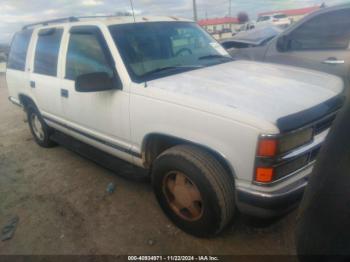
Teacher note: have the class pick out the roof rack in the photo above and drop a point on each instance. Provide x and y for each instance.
(74, 19)
(67, 19)
(54, 21)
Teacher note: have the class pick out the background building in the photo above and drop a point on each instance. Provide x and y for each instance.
(220, 27)
(293, 14)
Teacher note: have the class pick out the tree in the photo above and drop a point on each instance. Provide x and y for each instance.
(243, 17)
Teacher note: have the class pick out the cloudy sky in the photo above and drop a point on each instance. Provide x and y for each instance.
(16, 13)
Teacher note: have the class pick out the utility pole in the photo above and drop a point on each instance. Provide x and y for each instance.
(230, 8)
(195, 17)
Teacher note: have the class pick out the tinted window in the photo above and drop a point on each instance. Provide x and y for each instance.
(326, 31)
(279, 16)
(263, 18)
(19, 48)
(86, 55)
(47, 49)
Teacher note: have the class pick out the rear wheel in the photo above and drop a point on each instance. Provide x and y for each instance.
(39, 129)
(194, 190)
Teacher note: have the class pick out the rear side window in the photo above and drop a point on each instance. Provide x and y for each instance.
(86, 55)
(326, 31)
(47, 49)
(19, 48)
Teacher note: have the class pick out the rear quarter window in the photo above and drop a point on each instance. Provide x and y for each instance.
(46, 53)
(19, 48)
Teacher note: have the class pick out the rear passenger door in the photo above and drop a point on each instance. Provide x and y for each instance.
(17, 75)
(44, 82)
(98, 118)
(321, 43)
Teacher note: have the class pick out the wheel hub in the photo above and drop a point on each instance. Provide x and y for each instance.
(183, 196)
(37, 127)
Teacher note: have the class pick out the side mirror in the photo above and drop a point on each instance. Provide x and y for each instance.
(96, 82)
(283, 43)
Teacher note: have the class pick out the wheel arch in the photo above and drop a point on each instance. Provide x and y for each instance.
(25, 100)
(155, 143)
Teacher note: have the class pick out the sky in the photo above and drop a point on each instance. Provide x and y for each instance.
(16, 13)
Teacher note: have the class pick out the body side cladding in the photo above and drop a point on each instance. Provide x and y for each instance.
(15, 101)
(117, 147)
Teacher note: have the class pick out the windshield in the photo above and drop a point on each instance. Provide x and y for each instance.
(156, 49)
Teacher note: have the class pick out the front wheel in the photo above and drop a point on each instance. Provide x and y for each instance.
(194, 190)
(39, 129)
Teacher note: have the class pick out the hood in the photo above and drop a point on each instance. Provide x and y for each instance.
(265, 91)
(256, 36)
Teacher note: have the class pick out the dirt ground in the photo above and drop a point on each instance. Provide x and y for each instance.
(63, 208)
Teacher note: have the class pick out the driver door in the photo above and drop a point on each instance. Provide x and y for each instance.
(97, 118)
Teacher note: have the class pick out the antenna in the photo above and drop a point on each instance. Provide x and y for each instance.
(132, 9)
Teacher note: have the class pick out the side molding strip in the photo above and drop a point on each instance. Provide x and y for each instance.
(120, 148)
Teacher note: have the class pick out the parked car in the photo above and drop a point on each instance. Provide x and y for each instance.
(247, 26)
(320, 41)
(251, 39)
(280, 20)
(214, 135)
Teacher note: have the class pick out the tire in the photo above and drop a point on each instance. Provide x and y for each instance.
(36, 122)
(178, 175)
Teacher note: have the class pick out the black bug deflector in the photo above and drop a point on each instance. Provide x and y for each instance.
(306, 117)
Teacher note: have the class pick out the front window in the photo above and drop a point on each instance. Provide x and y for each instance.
(263, 18)
(86, 55)
(281, 16)
(325, 32)
(156, 49)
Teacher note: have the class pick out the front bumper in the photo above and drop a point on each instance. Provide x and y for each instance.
(270, 204)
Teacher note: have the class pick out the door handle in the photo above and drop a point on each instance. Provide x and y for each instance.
(32, 84)
(333, 61)
(64, 93)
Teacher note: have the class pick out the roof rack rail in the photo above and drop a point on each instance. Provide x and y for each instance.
(59, 20)
(67, 19)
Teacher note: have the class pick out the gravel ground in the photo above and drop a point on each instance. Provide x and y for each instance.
(62, 205)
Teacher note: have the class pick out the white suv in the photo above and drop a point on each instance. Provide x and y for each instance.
(214, 135)
(280, 20)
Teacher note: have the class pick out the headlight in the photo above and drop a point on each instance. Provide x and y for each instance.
(294, 140)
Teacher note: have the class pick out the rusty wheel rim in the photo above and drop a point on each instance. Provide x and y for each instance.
(37, 127)
(183, 196)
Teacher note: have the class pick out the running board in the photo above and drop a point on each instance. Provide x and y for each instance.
(118, 166)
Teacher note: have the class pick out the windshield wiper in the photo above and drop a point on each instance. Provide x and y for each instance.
(169, 68)
(214, 57)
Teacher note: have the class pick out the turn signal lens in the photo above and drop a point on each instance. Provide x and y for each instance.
(264, 174)
(267, 147)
